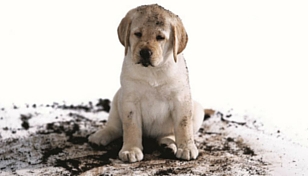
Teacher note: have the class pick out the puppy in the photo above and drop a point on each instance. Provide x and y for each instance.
(154, 99)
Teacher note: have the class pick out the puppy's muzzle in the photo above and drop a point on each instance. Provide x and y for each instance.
(145, 57)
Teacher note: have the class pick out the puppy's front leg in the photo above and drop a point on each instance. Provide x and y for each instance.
(184, 136)
(132, 134)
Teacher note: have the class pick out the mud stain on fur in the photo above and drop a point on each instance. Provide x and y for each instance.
(184, 121)
(130, 115)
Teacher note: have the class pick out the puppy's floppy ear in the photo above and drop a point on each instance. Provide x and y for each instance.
(180, 38)
(124, 32)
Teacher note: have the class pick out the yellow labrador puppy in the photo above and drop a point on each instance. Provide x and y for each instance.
(154, 99)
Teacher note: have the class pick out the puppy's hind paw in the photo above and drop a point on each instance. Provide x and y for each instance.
(168, 151)
(97, 139)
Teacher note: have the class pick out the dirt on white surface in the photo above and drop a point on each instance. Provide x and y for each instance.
(52, 140)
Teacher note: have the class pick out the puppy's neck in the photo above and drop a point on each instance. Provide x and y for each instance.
(168, 72)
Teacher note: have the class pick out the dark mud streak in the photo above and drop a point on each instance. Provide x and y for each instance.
(66, 127)
(165, 172)
(101, 105)
(173, 171)
(79, 165)
(47, 153)
(78, 139)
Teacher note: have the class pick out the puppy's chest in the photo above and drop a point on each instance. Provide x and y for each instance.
(156, 114)
(157, 99)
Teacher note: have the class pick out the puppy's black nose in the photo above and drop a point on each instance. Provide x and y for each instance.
(145, 53)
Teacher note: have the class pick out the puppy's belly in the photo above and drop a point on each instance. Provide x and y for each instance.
(156, 118)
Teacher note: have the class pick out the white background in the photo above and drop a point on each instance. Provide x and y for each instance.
(249, 55)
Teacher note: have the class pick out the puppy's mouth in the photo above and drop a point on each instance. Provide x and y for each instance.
(145, 63)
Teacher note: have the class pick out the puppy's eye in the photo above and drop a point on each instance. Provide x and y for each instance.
(159, 37)
(138, 34)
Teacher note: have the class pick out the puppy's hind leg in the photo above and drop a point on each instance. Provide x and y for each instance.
(111, 131)
(168, 146)
(198, 116)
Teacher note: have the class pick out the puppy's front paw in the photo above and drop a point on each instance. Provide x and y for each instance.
(187, 152)
(98, 138)
(131, 155)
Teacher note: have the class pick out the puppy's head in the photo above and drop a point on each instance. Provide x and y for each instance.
(151, 34)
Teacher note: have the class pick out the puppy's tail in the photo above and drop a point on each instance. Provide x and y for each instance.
(208, 113)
